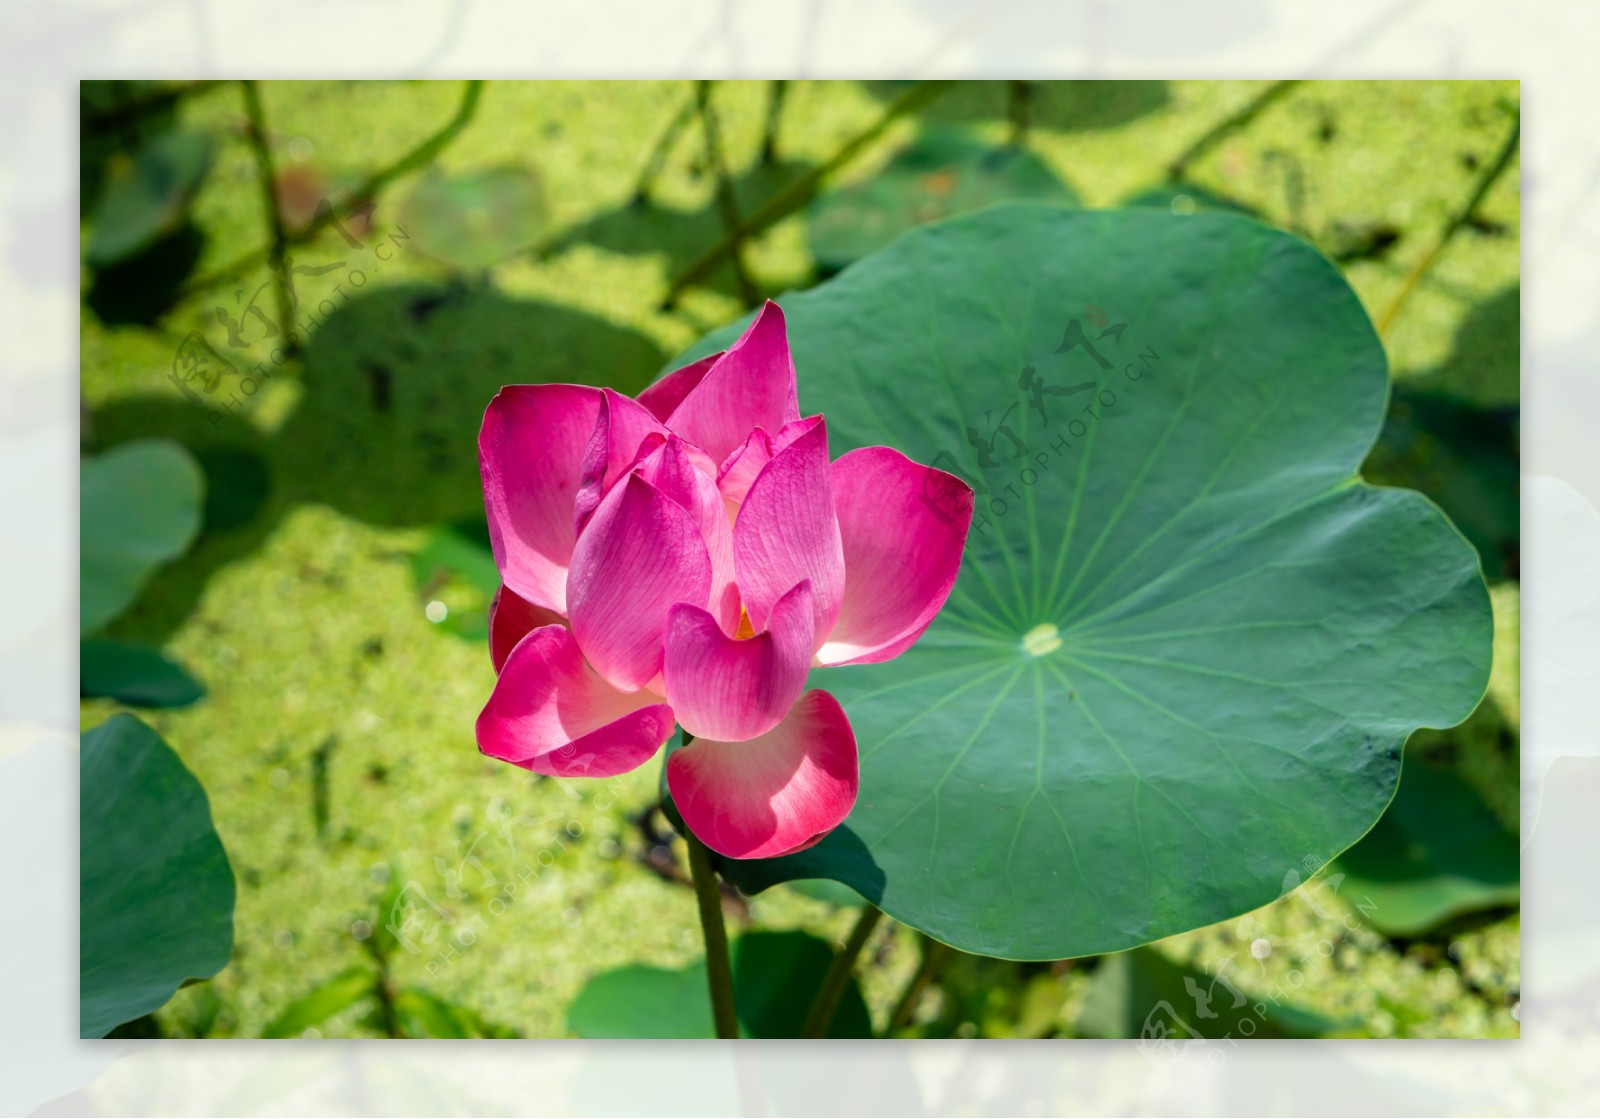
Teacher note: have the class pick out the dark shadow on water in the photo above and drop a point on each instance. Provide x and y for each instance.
(1454, 432)
(1061, 106)
(648, 227)
(395, 384)
(1485, 362)
(140, 289)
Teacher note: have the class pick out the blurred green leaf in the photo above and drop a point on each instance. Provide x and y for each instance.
(457, 569)
(382, 943)
(1031, 1011)
(156, 892)
(475, 220)
(452, 551)
(339, 993)
(137, 675)
(639, 1002)
(943, 172)
(238, 483)
(139, 290)
(425, 1015)
(1437, 853)
(139, 507)
(1142, 994)
(775, 976)
(144, 198)
(204, 1011)
(1465, 457)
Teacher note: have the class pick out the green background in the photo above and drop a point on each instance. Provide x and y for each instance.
(335, 740)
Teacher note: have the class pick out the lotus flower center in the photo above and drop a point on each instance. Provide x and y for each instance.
(1041, 639)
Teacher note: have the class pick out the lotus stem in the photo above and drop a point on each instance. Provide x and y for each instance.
(719, 971)
(933, 955)
(826, 1004)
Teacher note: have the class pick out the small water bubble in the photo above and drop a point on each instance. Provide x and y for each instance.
(360, 929)
(1261, 948)
(436, 611)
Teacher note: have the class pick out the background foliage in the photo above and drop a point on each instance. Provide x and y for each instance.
(331, 606)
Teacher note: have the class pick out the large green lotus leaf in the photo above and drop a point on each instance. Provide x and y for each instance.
(1187, 643)
(138, 507)
(155, 889)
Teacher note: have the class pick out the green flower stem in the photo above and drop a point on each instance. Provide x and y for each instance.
(719, 972)
(933, 956)
(838, 977)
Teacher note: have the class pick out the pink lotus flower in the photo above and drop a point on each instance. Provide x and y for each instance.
(687, 557)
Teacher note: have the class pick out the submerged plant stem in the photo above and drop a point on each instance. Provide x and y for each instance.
(933, 956)
(719, 972)
(278, 246)
(365, 191)
(1481, 189)
(826, 1004)
(801, 190)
